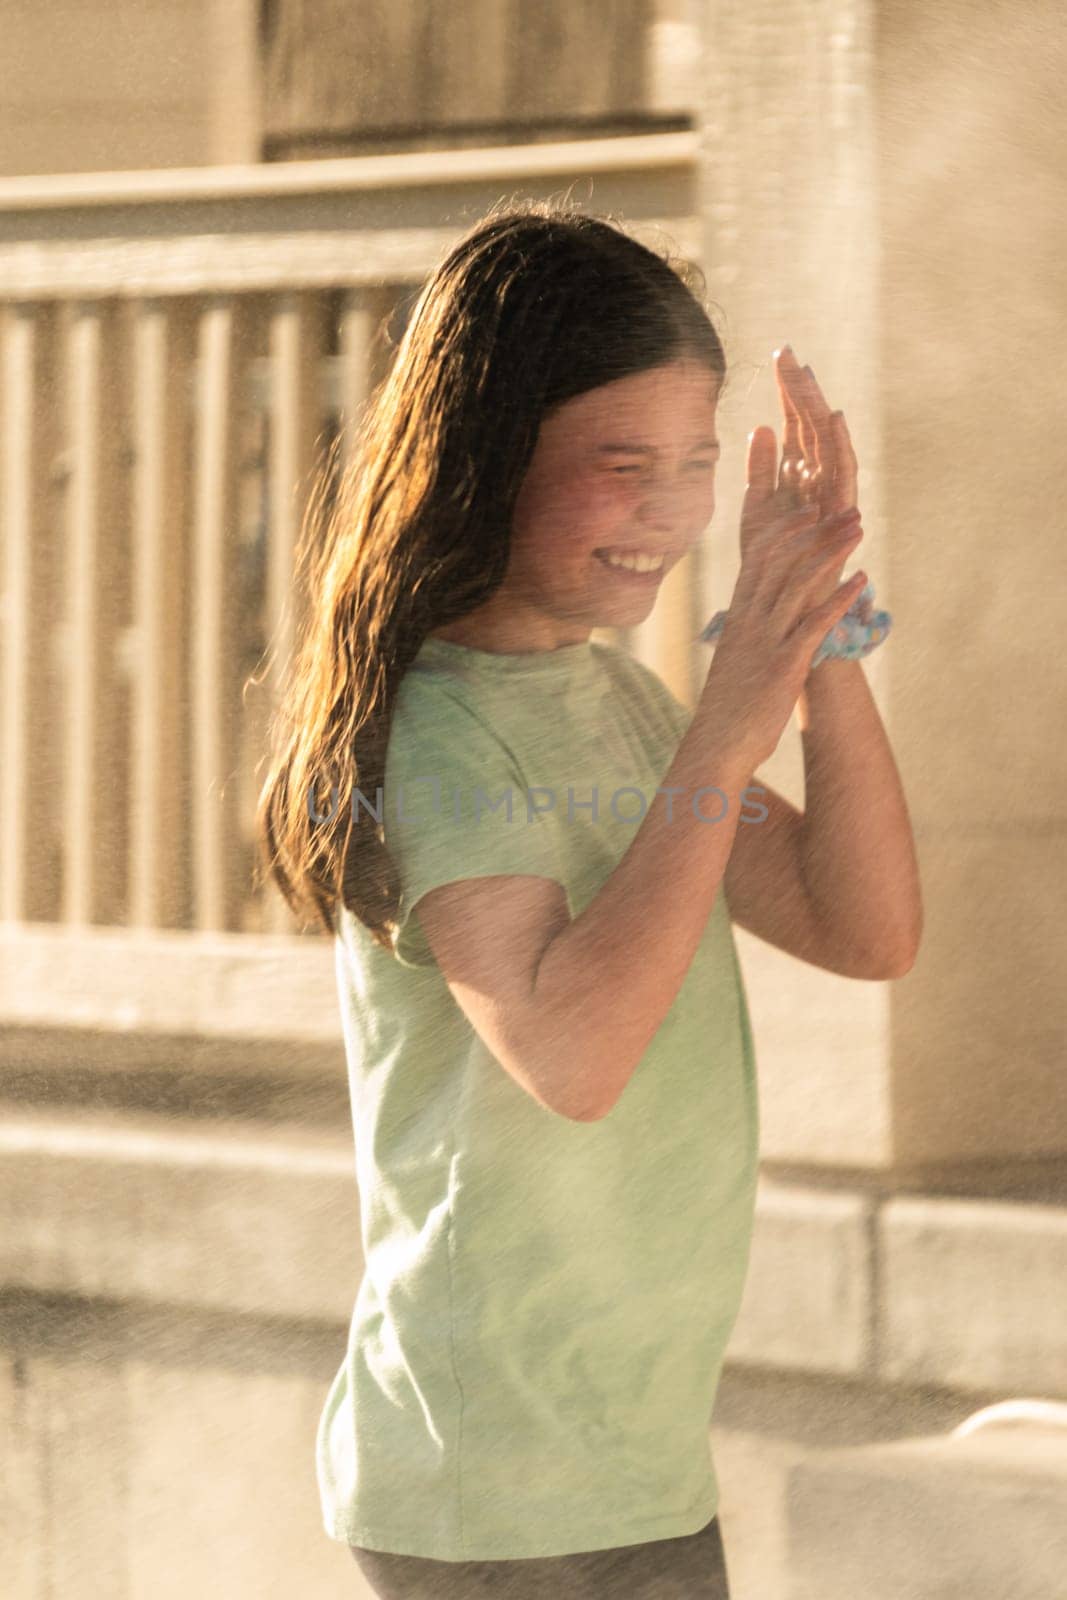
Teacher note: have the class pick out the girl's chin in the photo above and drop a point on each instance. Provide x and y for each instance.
(613, 596)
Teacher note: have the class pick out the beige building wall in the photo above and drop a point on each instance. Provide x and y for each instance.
(884, 189)
(104, 85)
(970, 347)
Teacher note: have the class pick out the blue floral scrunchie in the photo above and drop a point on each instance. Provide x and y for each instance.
(849, 639)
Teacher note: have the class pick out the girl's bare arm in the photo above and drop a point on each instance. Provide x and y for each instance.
(605, 983)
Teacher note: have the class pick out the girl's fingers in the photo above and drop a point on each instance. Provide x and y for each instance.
(847, 480)
(810, 468)
(817, 451)
(761, 474)
(800, 394)
(824, 444)
(792, 449)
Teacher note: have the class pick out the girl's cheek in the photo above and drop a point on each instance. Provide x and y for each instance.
(598, 497)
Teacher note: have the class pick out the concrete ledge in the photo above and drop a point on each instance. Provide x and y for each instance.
(347, 175)
(973, 1295)
(249, 1216)
(808, 1297)
(228, 985)
(55, 1059)
(980, 1517)
(220, 1217)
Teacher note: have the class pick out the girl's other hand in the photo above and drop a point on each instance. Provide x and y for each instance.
(778, 616)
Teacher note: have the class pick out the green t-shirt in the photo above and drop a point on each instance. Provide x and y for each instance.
(537, 1339)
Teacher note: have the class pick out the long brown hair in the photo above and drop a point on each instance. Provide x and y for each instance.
(535, 304)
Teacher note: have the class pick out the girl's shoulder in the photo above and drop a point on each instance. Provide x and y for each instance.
(433, 702)
(440, 717)
(425, 691)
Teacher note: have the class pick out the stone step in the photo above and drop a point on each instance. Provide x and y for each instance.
(982, 1515)
(263, 1217)
(900, 1289)
(216, 1216)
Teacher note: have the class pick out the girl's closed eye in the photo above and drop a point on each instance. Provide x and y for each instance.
(701, 466)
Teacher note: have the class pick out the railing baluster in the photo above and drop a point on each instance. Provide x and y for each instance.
(30, 768)
(95, 767)
(218, 857)
(362, 361)
(160, 878)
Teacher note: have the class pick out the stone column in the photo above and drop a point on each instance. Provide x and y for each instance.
(881, 187)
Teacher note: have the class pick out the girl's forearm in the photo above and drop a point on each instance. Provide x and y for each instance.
(858, 856)
(606, 982)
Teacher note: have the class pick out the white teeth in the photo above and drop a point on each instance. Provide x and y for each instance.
(637, 563)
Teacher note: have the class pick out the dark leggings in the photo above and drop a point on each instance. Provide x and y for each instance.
(690, 1568)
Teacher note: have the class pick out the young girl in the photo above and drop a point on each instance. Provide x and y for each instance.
(519, 838)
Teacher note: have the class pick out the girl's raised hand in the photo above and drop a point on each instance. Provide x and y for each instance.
(799, 524)
(819, 464)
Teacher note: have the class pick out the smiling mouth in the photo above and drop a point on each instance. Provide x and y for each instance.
(633, 566)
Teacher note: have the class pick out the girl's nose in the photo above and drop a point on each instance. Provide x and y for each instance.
(663, 500)
(670, 506)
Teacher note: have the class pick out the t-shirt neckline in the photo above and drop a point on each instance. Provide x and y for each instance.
(564, 661)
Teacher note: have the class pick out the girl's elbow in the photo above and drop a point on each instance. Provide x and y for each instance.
(899, 966)
(902, 957)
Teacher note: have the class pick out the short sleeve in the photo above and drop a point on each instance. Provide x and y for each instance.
(455, 804)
